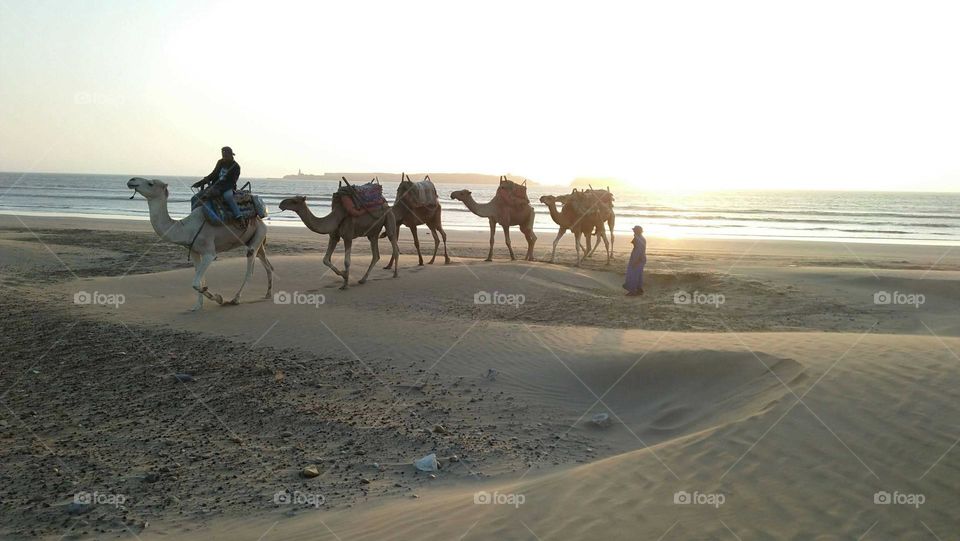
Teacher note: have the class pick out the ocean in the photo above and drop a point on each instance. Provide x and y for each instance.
(888, 217)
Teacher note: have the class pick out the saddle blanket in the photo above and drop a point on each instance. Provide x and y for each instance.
(421, 194)
(217, 212)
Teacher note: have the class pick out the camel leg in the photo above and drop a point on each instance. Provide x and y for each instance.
(493, 231)
(262, 254)
(436, 243)
(196, 267)
(527, 230)
(347, 248)
(253, 247)
(576, 236)
(416, 243)
(589, 237)
(198, 281)
(396, 249)
(443, 235)
(606, 245)
(610, 223)
(375, 251)
(506, 239)
(556, 241)
(331, 246)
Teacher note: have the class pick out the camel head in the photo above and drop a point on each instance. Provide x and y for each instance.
(293, 203)
(548, 199)
(461, 195)
(148, 188)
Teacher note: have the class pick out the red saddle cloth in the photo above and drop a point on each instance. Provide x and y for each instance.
(359, 200)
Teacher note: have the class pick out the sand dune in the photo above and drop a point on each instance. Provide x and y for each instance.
(782, 411)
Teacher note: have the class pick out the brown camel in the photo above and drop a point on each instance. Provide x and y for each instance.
(411, 213)
(339, 224)
(605, 200)
(580, 224)
(522, 217)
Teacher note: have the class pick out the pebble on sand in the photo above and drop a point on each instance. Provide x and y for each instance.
(310, 472)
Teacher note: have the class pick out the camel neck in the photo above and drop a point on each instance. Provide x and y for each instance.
(554, 213)
(325, 225)
(165, 226)
(484, 210)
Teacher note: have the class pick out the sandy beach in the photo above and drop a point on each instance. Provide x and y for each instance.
(759, 390)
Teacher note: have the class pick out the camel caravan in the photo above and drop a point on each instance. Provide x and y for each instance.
(361, 210)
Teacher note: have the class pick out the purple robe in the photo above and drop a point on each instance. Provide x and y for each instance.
(638, 258)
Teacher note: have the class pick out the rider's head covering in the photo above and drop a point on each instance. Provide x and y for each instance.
(229, 150)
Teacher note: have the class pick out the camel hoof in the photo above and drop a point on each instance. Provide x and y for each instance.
(196, 307)
(233, 302)
(200, 289)
(488, 259)
(362, 281)
(217, 298)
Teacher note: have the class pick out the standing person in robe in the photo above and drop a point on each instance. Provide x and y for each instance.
(638, 258)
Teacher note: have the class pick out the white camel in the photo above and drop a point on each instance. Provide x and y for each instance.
(204, 240)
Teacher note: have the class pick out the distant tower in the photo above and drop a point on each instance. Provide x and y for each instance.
(299, 172)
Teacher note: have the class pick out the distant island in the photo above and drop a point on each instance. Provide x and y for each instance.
(439, 178)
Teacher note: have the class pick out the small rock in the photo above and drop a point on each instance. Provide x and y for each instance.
(286, 434)
(310, 472)
(151, 477)
(440, 429)
(454, 458)
(364, 480)
(492, 374)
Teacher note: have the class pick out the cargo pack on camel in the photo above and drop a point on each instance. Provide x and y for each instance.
(217, 212)
(360, 199)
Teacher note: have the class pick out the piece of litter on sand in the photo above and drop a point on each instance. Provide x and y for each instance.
(428, 463)
(492, 374)
(600, 419)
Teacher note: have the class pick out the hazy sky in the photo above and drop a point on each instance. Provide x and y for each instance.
(844, 95)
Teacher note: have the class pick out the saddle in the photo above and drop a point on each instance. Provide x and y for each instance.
(361, 199)
(589, 201)
(510, 198)
(217, 212)
(420, 194)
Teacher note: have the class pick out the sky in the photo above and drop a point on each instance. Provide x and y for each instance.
(673, 95)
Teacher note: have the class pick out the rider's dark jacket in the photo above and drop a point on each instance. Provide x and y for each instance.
(229, 182)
